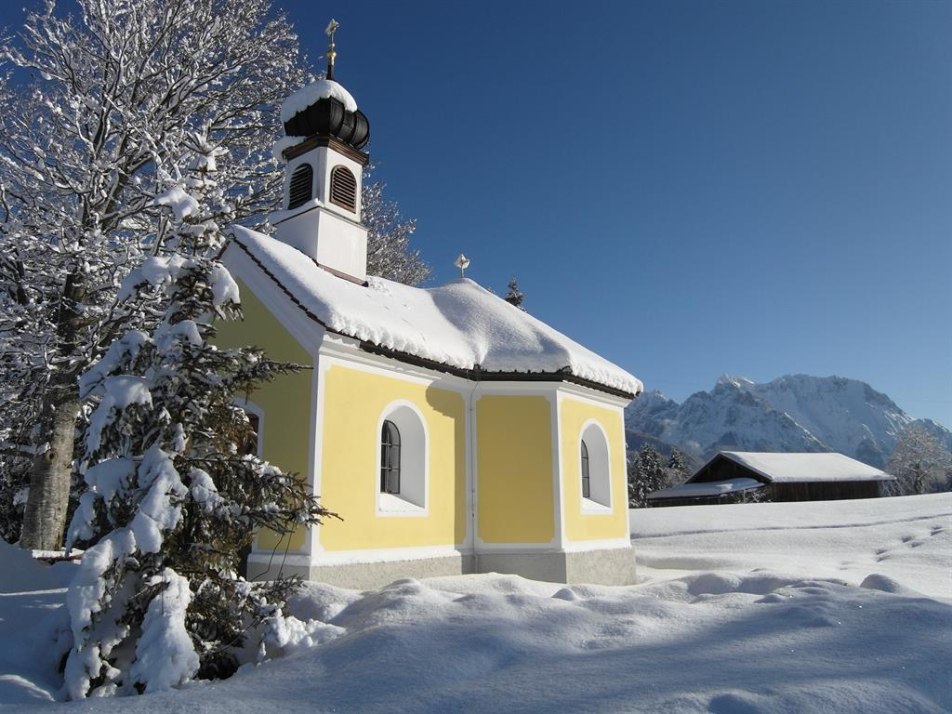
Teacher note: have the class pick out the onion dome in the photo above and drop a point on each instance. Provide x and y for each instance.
(325, 108)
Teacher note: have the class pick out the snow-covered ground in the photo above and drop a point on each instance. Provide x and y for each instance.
(815, 607)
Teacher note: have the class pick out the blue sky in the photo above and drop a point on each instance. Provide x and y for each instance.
(690, 188)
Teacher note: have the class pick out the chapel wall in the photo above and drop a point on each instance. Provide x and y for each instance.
(285, 418)
(515, 482)
(354, 403)
(582, 522)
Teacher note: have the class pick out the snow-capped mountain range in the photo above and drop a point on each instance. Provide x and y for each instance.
(792, 413)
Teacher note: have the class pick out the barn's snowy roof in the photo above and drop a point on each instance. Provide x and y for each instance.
(801, 468)
(713, 488)
(460, 325)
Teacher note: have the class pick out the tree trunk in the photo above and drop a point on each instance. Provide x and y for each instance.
(44, 519)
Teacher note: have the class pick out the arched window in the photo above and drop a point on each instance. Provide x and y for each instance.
(344, 188)
(594, 468)
(389, 458)
(250, 446)
(302, 182)
(586, 477)
(253, 439)
(402, 470)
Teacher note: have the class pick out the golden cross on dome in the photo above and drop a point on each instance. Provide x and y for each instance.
(331, 52)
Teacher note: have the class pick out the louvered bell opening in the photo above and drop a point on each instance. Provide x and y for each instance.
(344, 188)
(301, 182)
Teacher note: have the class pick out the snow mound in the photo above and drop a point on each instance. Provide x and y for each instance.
(883, 583)
(21, 573)
(804, 615)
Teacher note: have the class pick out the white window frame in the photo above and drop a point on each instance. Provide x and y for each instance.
(252, 408)
(599, 468)
(413, 499)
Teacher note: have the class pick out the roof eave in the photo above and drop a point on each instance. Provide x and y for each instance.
(476, 374)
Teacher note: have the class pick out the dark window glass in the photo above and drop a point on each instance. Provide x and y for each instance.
(586, 482)
(251, 443)
(389, 458)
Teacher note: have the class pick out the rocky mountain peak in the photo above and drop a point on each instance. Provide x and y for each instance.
(792, 413)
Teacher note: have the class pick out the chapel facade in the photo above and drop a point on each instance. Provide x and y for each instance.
(452, 432)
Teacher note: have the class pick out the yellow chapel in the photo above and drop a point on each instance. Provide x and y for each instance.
(452, 432)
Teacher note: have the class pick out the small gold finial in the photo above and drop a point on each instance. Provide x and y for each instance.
(331, 52)
(462, 263)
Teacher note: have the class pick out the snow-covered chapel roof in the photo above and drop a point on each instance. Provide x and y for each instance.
(460, 325)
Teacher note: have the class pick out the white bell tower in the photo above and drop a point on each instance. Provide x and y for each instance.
(324, 175)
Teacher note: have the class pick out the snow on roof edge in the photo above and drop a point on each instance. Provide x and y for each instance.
(707, 488)
(628, 388)
(775, 466)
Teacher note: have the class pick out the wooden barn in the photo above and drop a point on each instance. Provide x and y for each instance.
(736, 476)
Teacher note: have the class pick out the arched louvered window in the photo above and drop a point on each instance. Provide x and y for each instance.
(586, 478)
(302, 181)
(389, 458)
(344, 188)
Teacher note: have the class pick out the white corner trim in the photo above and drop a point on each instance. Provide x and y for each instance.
(316, 448)
(558, 468)
(346, 352)
(472, 466)
(570, 390)
(518, 388)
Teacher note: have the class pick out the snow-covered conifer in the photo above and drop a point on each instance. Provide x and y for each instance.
(514, 296)
(646, 473)
(677, 471)
(172, 496)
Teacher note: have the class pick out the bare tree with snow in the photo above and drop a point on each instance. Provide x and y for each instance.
(117, 91)
(388, 239)
(920, 463)
(109, 100)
